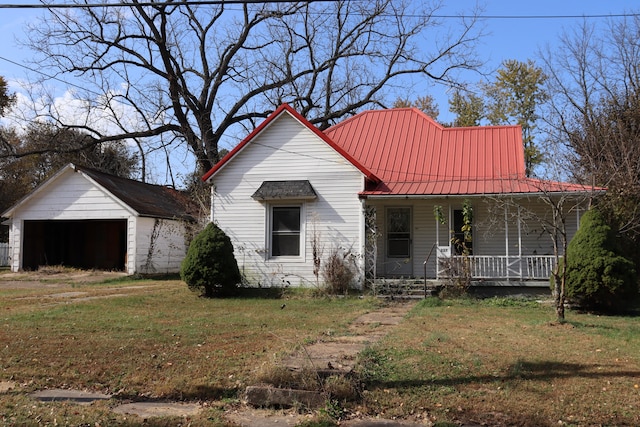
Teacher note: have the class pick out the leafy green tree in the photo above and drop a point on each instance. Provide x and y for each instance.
(598, 277)
(425, 103)
(514, 97)
(468, 108)
(41, 162)
(210, 266)
(6, 98)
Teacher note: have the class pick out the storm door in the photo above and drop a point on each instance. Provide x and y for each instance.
(398, 260)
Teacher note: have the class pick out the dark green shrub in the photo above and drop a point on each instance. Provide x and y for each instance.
(210, 266)
(598, 276)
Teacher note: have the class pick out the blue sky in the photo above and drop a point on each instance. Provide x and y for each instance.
(515, 38)
(506, 38)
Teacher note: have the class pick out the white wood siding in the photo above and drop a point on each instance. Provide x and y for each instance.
(15, 237)
(71, 197)
(287, 150)
(160, 245)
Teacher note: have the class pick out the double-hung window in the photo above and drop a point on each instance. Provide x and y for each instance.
(284, 202)
(285, 233)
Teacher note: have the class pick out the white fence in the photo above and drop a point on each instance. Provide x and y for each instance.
(537, 267)
(4, 254)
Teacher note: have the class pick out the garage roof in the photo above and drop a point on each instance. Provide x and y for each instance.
(148, 200)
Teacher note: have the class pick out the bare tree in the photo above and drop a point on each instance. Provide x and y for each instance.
(553, 223)
(178, 74)
(595, 84)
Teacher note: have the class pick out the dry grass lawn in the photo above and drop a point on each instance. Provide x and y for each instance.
(492, 362)
(501, 362)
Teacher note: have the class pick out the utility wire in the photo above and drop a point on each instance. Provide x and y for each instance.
(241, 2)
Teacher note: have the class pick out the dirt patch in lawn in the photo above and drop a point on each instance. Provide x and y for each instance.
(52, 279)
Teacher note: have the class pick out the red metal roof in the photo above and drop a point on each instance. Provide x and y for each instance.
(403, 152)
(414, 155)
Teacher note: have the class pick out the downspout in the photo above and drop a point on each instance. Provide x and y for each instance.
(438, 248)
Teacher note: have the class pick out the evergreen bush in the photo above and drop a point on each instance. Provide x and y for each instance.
(210, 266)
(599, 277)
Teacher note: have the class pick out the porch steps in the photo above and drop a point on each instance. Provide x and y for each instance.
(405, 288)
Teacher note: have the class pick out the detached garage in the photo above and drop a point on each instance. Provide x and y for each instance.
(88, 219)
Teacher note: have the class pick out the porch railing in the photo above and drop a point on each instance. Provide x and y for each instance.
(526, 267)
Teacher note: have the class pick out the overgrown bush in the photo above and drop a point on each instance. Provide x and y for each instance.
(599, 277)
(338, 271)
(210, 266)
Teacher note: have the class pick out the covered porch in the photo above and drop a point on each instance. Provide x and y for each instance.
(406, 239)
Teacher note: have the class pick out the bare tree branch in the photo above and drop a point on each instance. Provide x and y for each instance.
(208, 72)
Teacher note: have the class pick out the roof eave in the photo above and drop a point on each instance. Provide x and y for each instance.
(365, 195)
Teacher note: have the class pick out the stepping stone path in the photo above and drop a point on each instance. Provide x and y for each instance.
(141, 409)
(332, 355)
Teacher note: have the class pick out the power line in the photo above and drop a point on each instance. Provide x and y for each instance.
(2, 58)
(143, 3)
(242, 2)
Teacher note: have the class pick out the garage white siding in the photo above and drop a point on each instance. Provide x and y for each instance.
(72, 197)
(160, 245)
(288, 151)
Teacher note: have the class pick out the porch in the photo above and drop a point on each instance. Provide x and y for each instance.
(509, 246)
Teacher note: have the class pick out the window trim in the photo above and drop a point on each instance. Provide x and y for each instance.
(269, 236)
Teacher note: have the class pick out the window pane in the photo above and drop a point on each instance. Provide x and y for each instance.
(399, 220)
(286, 219)
(399, 248)
(285, 231)
(286, 245)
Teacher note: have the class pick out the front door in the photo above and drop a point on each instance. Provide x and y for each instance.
(398, 261)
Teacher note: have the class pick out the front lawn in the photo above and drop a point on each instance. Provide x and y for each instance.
(503, 362)
(497, 362)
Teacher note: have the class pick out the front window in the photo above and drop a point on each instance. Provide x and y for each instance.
(285, 230)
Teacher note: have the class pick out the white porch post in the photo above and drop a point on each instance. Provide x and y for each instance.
(506, 237)
(362, 236)
(519, 242)
(437, 247)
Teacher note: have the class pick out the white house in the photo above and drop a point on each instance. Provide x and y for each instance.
(84, 218)
(387, 187)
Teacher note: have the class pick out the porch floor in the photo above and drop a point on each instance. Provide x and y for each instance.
(416, 288)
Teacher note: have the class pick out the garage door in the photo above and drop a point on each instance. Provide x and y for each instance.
(89, 244)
